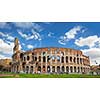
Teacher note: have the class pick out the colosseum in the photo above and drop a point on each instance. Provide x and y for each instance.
(49, 60)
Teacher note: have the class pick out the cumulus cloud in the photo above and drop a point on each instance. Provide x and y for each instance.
(90, 41)
(94, 54)
(28, 25)
(93, 44)
(23, 35)
(70, 35)
(30, 46)
(6, 48)
(7, 36)
(50, 34)
(35, 35)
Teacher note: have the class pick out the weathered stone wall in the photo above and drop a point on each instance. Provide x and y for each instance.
(51, 60)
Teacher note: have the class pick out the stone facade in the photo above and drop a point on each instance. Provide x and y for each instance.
(5, 65)
(49, 60)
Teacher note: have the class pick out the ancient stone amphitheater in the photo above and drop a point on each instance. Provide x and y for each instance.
(50, 60)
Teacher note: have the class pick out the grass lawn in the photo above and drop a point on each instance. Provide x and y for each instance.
(10, 75)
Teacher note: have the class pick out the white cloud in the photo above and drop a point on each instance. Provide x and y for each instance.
(7, 36)
(93, 42)
(28, 25)
(61, 42)
(94, 54)
(50, 34)
(30, 46)
(90, 41)
(35, 35)
(23, 35)
(6, 48)
(70, 35)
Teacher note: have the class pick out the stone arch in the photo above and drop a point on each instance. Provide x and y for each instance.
(71, 69)
(48, 69)
(78, 69)
(44, 59)
(67, 69)
(70, 59)
(53, 69)
(21, 56)
(58, 69)
(81, 70)
(63, 69)
(39, 58)
(31, 69)
(75, 69)
(23, 68)
(74, 59)
(39, 69)
(43, 69)
(62, 59)
(66, 59)
(28, 57)
(27, 69)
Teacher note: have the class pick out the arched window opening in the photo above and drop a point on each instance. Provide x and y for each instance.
(71, 69)
(43, 68)
(58, 58)
(62, 59)
(53, 69)
(44, 53)
(27, 69)
(44, 59)
(70, 59)
(63, 69)
(66, 59)
(67, 69)
(74, 60)
(24, 59)
(58, 69)
(21, 56)
(78, 70)
(23, 68)
(28, 58)
(81, 60)
(31, 70)
(35, 58)
(75, 69)
(81, 69)
(39, 69)
(48, 58)
(77, 60)
(39, 58)
(62, 53)
(48, 69)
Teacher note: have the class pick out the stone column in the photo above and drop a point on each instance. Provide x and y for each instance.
(69, 70)
(55, 69)
(50, 69)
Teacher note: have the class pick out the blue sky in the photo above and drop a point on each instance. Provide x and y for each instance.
(83, 36)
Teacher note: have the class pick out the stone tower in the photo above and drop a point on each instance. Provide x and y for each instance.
(16, 45)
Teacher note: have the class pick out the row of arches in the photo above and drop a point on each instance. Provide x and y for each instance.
(52, 69)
